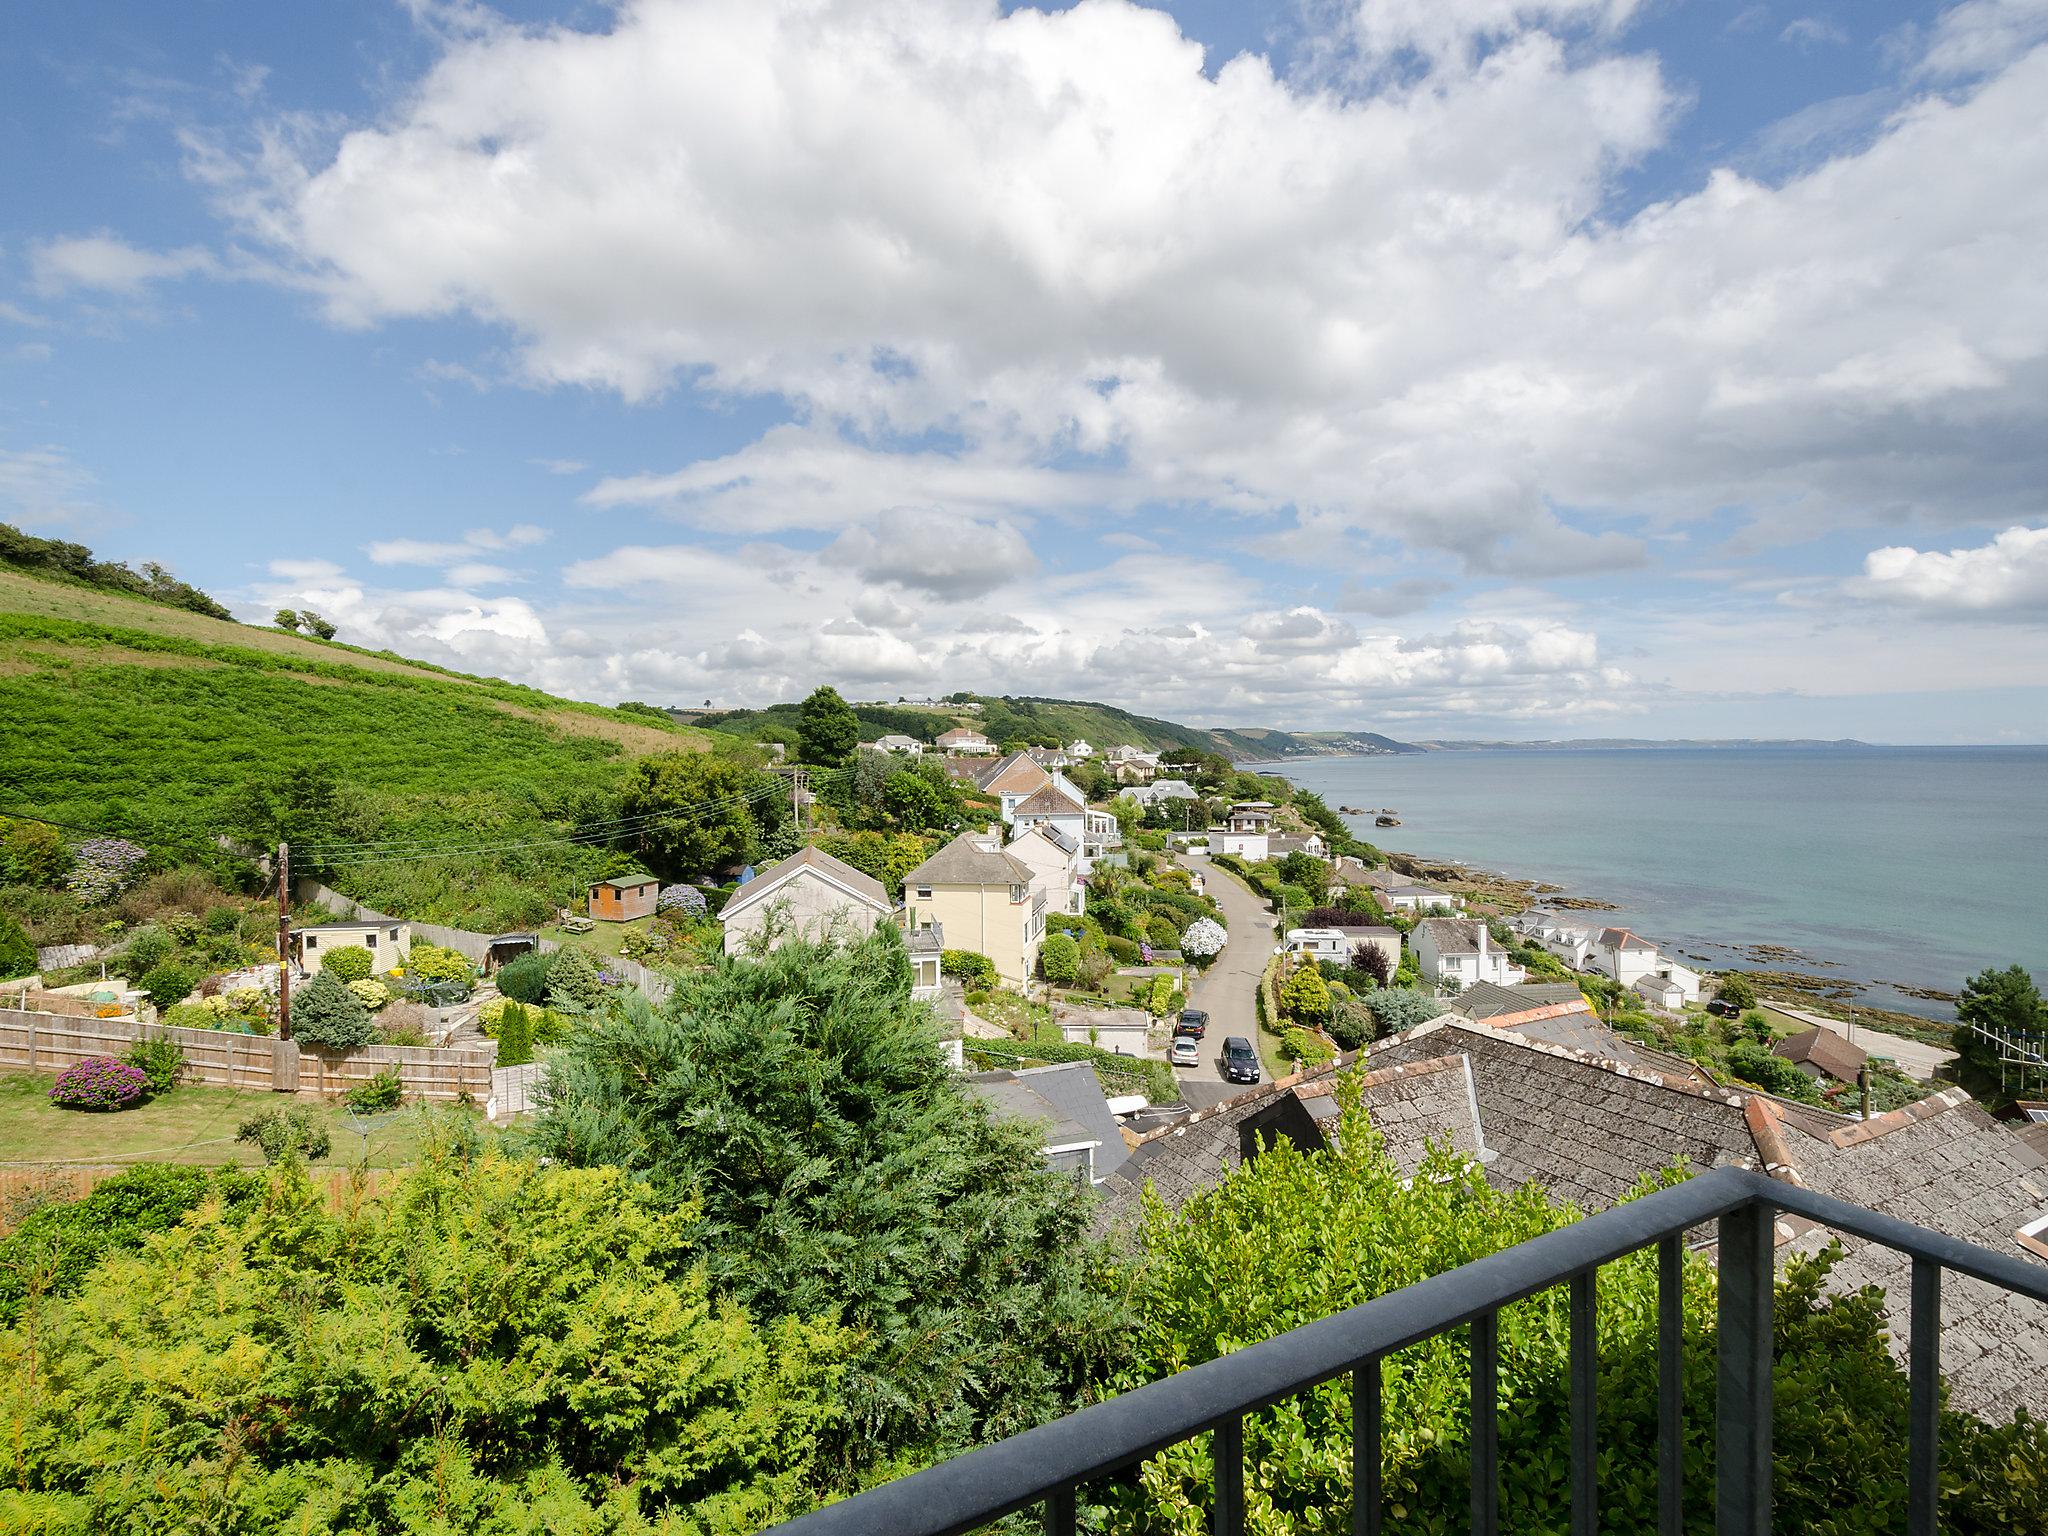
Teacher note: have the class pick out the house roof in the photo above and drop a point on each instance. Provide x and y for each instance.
(1049, 801)
(1622, 938)
(1013, 773)
(815, 861)
(897, 741)
(1452, 935)
(960, 733)
(963, 861)
(351, 923)
(1825, 1049)
(1656, 984)
(1067, 1098)
(626, 882)
(928, 940)
(1485, 1000)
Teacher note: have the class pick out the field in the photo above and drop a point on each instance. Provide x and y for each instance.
(191, 1124)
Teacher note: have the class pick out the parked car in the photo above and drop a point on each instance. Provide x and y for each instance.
(1184, 1052)
(1240, 1061)
(1193, 1021)
(1725, 1010)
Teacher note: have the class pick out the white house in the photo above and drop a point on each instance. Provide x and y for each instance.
(1050, 807)
(1079, 750)
(1420, 898)
(902, 746)
(1626, 956)
(1281, 844)
(1660, 992)
(1245, 831)
(809, 895)
(966, 743)
(1565, 937)
(1162, 789)
(1055, 863)
(1460, 949)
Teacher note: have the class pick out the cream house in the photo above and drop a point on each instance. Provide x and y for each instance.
(1055, 861)
(388, 941)
(809, 895)
(985, 898)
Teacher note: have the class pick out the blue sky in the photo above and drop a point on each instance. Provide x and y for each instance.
(1441, 367)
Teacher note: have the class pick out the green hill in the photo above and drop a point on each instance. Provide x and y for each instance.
(198, 737)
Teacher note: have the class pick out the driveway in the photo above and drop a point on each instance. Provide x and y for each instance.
(1229, 989)
(1914, 1058)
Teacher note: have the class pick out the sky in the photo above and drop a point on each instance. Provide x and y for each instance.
(1446, 368)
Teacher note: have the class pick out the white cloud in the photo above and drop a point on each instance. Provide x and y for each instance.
(560, 466)
(106, 264)
(458, 558)
(1299, 631)
(481, 574)
(305, 570)
(1983, 35)
(937, 553)
(43, 490)
(2008, 576)
(1813, 32)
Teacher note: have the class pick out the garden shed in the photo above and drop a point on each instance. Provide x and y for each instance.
(388, 941)
(624, 897)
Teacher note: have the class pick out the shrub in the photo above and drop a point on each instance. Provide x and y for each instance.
(525, 980)
(147, 948)
(351, 962)
(223, 920)
(100, 1082)
(1059, 957)
(1204, 939)
(515, 1037)
(384, 1091)
(1350, 1025)
(286, 1134)
(103, 867)
(160, 1059)
(1732, 987)
(1394, 1009)
(430, 962)
(1301, 1045)
(1122, 949)
(403, 1024)
(573, 982)
(975, 970)
(639, 944)
(326, 1013)
(169, 983)
(683, 901)
(1774, 1074)
(1305, 995)
(373, 992)
(17, 955)
(1160, 932)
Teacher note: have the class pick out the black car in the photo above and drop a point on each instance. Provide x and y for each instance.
(1725, 1010)
(1240, 1061)
(1193, 1021)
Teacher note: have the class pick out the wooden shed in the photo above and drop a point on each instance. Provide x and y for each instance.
(624, 897)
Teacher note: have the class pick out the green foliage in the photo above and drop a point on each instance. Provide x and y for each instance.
(2006, 1000)
(432, 962)
(573, 982)
(1059, 957)
(1161, 997)
(161, 1059)
(352, 962)
(1305, 995)
(52, 1250)
(17, 955)
(325, 1013)
(168, 983)
(1116, 1073)
(75, 563)
(283, 1135)
(147, 948)
(1733, 988)
(1394, 1009)
(970, 966)
(1160, 932)
(1300, 1045)
(515, 1037)
(494, 1348)
(1308, 872)
(713, 826)
(384, 1091)
(1122, 950)
(937, 1235)
(525, 979)
(827, 731)
(887, 857)
(1351, 1024)
(1754, 1063)
(31, 853)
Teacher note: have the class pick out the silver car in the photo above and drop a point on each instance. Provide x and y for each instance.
(1186, 1052)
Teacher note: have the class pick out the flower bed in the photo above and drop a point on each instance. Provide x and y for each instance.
(100, 1082)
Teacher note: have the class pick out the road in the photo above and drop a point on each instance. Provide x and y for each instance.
(1229, 989)
(1913, 1058)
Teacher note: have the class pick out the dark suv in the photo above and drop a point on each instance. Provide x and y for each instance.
(1240, 1061)
(1192, 1022)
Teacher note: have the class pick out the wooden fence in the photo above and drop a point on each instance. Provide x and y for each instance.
(42, 1042)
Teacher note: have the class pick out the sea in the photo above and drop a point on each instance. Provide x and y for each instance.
(1885, 866)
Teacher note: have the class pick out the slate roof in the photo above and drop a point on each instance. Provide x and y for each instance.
(1946, 1164)
(815, 859)
(1049, 801)
(1824, 1050)
(1452, 935)
(1067, 1098)
(964, 861)
(1486, 1000)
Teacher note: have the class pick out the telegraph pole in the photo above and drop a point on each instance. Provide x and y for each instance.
(284, 941)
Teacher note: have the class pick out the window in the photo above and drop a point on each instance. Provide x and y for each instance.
(369, 941)
(924, 893)
(312, 940)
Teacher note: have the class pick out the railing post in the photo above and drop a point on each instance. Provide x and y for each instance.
(1742, 1470)
(1923, 1454)
(1585, 1386)
(1367, 1384)
(1486, 1425)
(1227, 1447)
(1670, 1387)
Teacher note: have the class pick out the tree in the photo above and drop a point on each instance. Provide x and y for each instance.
(1371, 959)
(573, 983)
(1059, 957)
(1733, 987)
(316, 625)
(31, 853)
(2006, 1001)
(936, 1237)
(168, 983)
(17, 955)
(325, 1013)
(1394, 1009)
(1305, 995)
(286, 618)
(1308, 872)
(915, 804)
(1128, 813)
(700, 804)
(515, 1036)
(827, 728)
(309, 806)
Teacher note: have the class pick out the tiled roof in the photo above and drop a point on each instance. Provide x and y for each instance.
(1488, 1000)
(1621, 938)
(1014, 773)
(816, 859)
(963, 861)
(1826, 1050)
(1068, 1097)
(1452, 935)
(1049, 801)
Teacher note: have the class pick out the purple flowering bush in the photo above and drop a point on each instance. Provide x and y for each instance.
(103, 866)
(680, 900)
(100, 1082)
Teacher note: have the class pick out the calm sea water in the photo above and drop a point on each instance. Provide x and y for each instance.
(1894, 864)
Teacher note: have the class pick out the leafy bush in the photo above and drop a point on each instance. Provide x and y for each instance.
(525, 979)
(223, 920)
(103, 867)
(1122, 950)
(1160, 932)
(1394, 1009)
(55, 1248)
(350, 962)
(160, 1059)
(683, 901)
(384, 1091)
(1733, 987)
(1306, 996)
(1774, 1074)
(974, 969)
(100, 1082)
(286, 1134)
(146, 949)
(17, 954)
(430, 962)
(1297, 1044)
(642, 944)
(573, 981)
(169, 983)
(374, 993)
(326, 1013)
(1204, 939)
(403, 1024)
(1350, 1024)
(1059, 957)
(515, 1037)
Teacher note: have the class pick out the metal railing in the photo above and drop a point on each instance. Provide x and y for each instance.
(1045, 1466)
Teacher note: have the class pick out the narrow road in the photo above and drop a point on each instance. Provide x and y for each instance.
(1229, 989)
(1914, 1058)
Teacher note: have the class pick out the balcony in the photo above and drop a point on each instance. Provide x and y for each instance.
(1047, 1466)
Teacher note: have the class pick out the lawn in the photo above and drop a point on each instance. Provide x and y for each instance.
(191, 1124)
(604, 939)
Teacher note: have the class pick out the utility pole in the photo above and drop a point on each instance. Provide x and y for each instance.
(798, 782)
(284, 941)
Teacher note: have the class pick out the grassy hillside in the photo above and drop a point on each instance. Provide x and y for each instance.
(170, 728)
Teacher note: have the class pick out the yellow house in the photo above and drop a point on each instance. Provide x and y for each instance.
(986, 900)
